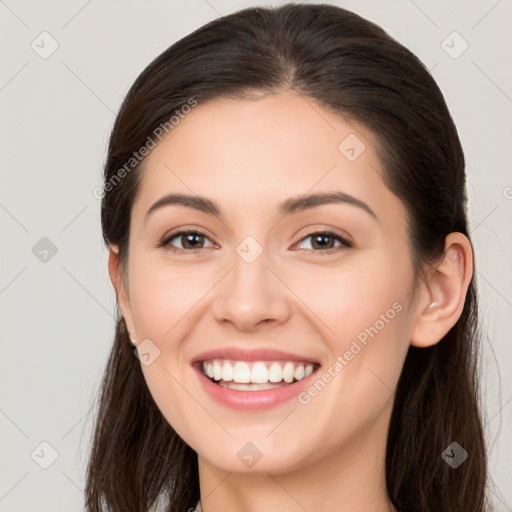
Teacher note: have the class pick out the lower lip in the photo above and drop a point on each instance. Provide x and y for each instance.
(252, 400)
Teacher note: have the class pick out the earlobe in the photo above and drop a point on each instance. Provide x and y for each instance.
(114, 271)
(444, 292)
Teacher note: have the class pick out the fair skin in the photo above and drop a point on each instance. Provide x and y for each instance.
(247, 156)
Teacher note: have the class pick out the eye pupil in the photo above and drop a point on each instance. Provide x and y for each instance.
(190, 238)
(323, 237)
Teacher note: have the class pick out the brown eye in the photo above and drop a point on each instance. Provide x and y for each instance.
(190, 241)
(323, 241)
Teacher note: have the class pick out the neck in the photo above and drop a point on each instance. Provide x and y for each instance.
(352, 479)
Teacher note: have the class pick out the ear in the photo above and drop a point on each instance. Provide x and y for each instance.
(444, 292)
(122, 295)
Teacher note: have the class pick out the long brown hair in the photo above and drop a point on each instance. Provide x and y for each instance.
(352, 67)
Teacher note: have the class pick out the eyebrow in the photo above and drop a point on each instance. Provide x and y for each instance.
(291, 205)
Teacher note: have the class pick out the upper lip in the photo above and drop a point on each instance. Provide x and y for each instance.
(254, 354)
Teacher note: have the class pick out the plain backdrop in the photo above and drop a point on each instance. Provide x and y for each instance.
(65, 68)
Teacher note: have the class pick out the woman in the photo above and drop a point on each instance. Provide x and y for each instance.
(285, 210)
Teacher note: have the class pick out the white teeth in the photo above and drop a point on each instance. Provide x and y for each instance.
(250, 387)
(242, 373)
(217, 370)
(288, 372)
(299, 372)
(275, 372)
(227, 372)
(261, 373)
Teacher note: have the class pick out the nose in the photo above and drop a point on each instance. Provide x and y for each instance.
(252, 295)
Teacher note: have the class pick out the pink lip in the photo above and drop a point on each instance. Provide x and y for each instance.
(257, 354)
(253, 400)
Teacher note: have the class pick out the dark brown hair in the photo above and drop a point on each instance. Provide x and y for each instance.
(354, 68)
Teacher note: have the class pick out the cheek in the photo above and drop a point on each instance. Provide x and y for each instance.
(164, 304)
(162, 297)
(349, 299)
(361, 311)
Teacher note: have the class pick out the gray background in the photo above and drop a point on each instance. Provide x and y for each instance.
(57, 310)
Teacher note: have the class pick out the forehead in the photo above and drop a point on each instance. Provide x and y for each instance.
(255, 153)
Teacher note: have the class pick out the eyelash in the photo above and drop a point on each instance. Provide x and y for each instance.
(345, 244)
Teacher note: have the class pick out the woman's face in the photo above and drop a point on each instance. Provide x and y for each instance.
(256, 277)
